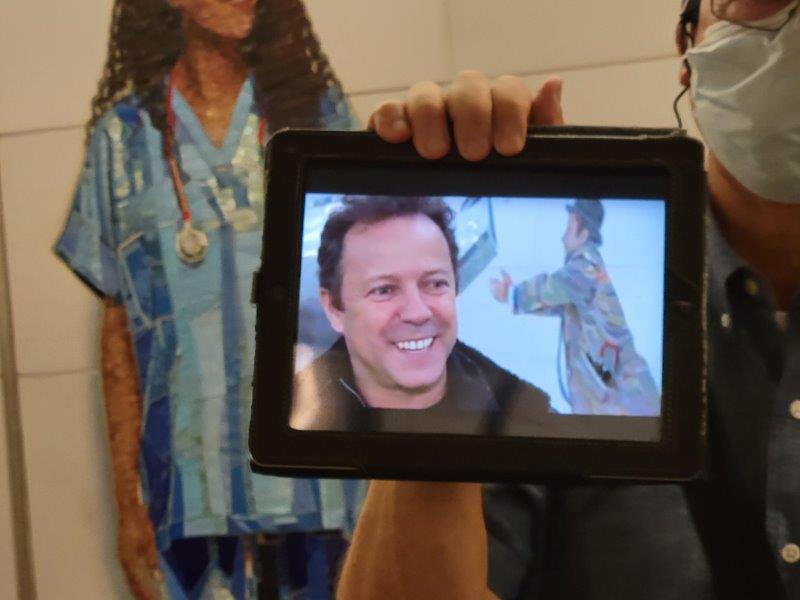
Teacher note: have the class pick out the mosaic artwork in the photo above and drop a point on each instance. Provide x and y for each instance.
(166, 226)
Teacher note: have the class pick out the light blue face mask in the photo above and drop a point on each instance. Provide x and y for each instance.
(745, 85)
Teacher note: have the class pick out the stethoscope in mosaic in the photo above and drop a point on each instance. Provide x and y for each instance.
(191, 244)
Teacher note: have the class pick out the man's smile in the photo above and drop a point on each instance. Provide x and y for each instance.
(414, 345)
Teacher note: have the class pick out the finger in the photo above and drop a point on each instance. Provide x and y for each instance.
(427, 115)
(546, 105)
(511, 107)
(469, 103)
(390, 122)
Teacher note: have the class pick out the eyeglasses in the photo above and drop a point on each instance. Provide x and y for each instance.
(725, 10)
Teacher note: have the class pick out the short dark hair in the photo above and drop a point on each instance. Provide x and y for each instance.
(373, 209)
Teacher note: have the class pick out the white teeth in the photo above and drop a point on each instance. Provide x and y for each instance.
(414, 345)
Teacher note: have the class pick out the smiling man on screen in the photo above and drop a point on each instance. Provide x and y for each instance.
(388, 283)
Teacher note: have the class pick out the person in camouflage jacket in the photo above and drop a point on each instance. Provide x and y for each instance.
(605, 374)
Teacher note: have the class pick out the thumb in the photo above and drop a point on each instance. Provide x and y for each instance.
(546, 106)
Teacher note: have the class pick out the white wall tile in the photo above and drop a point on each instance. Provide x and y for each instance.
(53, 54)
(535, 36)
(8, 575)
(383, 44)
(69, 483)
(639, 94)
(55, 316)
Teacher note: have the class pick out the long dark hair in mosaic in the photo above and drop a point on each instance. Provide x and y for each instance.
(291, 74)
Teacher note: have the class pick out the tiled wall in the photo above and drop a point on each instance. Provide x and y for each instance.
(617, 59)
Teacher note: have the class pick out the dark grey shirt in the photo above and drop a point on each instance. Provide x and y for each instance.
(736, 535)
(479, 395)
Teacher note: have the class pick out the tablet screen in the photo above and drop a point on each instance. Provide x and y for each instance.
(531, 318)
(522, 314)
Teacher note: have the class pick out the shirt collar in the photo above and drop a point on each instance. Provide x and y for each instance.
(190, 123)
(465, 380)
(722, 259)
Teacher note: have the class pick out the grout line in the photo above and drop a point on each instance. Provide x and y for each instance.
(558, 69)
(597, 65)
(35, 130)
(20, 507)
(58, 373)
(532, 73)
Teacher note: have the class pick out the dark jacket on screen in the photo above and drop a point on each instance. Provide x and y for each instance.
(479, 398)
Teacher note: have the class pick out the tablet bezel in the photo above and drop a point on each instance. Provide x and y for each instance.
(678, 456)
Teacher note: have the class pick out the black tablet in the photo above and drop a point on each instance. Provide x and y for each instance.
(529, 318)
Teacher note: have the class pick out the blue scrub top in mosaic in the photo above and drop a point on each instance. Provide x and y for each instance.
(192, 326)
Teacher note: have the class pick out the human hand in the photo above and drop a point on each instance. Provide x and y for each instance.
(501, 286)
(485, 113)
(137, 553)
(417, 540)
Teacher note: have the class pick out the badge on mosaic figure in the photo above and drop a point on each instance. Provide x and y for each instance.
(225, 198)
(191, 244)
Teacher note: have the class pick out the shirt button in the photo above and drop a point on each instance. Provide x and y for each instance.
(794, 409)
(790, 553)
(751, 287)
(726, 320)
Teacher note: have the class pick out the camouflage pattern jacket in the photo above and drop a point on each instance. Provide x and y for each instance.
(605, 375)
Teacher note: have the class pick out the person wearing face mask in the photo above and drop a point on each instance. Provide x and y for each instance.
(166, 227)
(735, 536)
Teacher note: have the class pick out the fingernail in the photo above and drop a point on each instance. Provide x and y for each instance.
(399, 125)
(510, 141)
(517, 139)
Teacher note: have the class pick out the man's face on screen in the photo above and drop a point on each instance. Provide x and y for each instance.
(398, 313)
